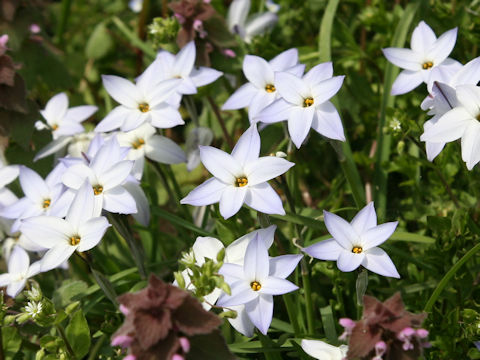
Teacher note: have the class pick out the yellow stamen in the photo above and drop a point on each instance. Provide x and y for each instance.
(54, 127)
(357, 250)
(138, 143)
(308, 102)
(74, 240)
(255, 285)
(46, 203)
(144, 107)
(270, 88)
(241, 181)
(97, 189)
(427, 65)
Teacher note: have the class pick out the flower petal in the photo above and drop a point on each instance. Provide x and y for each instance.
(263, 198)
(282, 266)
(319, 73)
(242, 322)
(8, 174)
(440, 50)
(423, 38)
(165, 116)
(404, 58)
(33, 186)
(325, 250)
(232, 200)
(55, 108)
(321, 350)
(19, 261)
(291, 88)
(47, 231)
(241, 98)
(114, 119)
(266, 168)
(220, 164)
(378, 261)
(377, 235)
(279, 110)
(231, 272)
(235, 252)
(122, 90)
(247, 148)
(327, 122)
(204, 76)
(471, 144)
(284, 60)
(82, 206)
(469, 98)
(143, 207)
(257, 71)
(206, 247)
(237, 13)
(115, 175)
(341, 230)
(185, 59)
(365, 219)
(256, 264)
(326, 89)
(349, 261)
(259, 102)
(119, 200)
(241, 294)
(14, 288)
(91, 232)
(277, 286)
(54, 257)
(206, 193)
(260, 312)
(259, 24)
(406, 81)
(80, 113)
(451, 126)
(299, 124)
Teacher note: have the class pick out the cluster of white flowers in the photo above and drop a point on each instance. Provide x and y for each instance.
(101, 173)
(454, 97)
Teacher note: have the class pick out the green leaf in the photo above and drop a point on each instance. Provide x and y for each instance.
(410, 237)
(78, 334)
(11, 341)
(176, 220)
(210, 346)
(328, 322)
(69, 291)
(105, 285)
(100, 42)
(301, 220)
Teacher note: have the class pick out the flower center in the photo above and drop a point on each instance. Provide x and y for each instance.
(138, 143)
(46, 203)
(74, 240)
(241, 181)
(308, 102)
(143, 107)
(255, 285)
(270, 88)
(54, 127)
(427, 65)
(357, 250)
(97, 189)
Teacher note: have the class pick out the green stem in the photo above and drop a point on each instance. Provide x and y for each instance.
(219, 117)
(303, 264)
(441, 285)
(292, 314)
(62, 23)
(133, 38)
(383, 139)
(96, 348)
(65, 340)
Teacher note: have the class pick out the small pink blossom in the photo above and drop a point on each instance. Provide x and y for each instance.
(380, 349)
(124, 310)
(177, 357)
(422, 333)
(122, 340)
(35, 29)
(185, 344)
(180, 18)
(229, 53)
(348, 324)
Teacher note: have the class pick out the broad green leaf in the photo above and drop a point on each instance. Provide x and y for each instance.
(328, 322)
(99, 43)
(78, 334)
(69, 291)
(11, 341)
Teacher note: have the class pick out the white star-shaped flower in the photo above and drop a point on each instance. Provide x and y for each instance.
(144, 142)
(356, 243)
(180, 66)
(305, 104)
(255, 25)
(443, 98)
(106, 172)
(61, 120)
(460, 122)
(261, 90)
(41, 197)
(19, 270)
(255, 283)
(240, 178)
(80, 231)
(144, 101)
(427, 61)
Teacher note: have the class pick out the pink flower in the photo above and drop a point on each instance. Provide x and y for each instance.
(35, 29)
